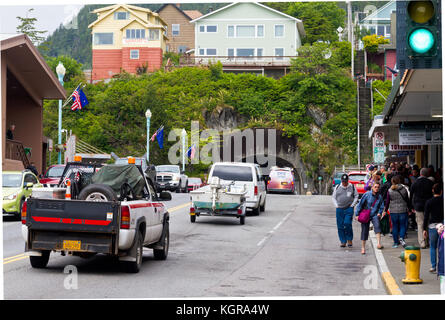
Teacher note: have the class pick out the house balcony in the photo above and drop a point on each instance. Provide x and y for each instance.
(238, 61)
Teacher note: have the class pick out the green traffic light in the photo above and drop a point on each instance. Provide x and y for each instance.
(421, 40)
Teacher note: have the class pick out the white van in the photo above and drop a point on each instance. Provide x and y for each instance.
(241, 174)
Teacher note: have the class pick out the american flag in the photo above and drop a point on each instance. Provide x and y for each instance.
(191, 152)
(153, 137)
(76, 98)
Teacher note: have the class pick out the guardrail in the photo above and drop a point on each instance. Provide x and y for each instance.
(15, 151)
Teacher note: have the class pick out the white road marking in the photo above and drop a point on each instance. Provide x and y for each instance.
(270, 233)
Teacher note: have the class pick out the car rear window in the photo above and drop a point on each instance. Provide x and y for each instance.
(195, 180)
(357, 177)
(233, 173)
(55, 172)
(338, 175)
(280, 174)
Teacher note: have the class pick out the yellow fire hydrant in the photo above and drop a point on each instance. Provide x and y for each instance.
(411, 258)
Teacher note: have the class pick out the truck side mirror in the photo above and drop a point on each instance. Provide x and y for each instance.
(29, 185)
(165, 196)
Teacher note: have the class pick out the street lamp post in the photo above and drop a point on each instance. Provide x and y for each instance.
(183, 134)
(148, 116)
(60, 69)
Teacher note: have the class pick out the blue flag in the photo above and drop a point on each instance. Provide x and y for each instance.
(160, 137)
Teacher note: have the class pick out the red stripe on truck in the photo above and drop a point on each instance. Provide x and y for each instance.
(72, 221)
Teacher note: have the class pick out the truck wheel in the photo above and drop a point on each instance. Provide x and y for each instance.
(135, 266)
(40, 262)
(242, 219)
(97, 192)
(263, 207)
(161, 254)
(256, 211)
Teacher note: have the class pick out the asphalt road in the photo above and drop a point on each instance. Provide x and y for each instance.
(290, 250)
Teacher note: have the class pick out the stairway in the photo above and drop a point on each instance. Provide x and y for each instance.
(364, 107)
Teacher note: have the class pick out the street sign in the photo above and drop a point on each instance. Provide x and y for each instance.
(379, 155)
(379, 139)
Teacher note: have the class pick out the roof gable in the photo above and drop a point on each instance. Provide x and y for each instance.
(112, 9)
(383, 13)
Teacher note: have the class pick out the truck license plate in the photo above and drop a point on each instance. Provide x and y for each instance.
(71, 245)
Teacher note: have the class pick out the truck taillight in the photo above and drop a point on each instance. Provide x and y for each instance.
(240, 211)
(24, 206)
(125, 217)
(255, 191)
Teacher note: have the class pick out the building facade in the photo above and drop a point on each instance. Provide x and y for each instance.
(248, 37)
(180, 32)
(126, 38)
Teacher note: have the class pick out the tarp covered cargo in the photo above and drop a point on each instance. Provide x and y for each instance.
(115, 175)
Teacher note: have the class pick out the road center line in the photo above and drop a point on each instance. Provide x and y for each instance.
(269, 234)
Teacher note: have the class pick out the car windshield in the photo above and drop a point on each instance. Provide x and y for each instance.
(174, 169)
(233, 173)
(54, 172)
(12, 180)
(357, 177)
(194, 181)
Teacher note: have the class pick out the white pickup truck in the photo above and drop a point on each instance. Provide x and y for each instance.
(113, 210)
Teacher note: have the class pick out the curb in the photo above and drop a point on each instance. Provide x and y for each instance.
(390, 283)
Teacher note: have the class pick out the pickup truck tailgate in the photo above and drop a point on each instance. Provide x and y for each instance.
(72, 225)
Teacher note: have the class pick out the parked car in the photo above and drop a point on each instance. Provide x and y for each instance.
(336, 179)
(281, 180)
(52, 175)
(358, 179)
(16, 187)
(170, 177)
(194, 183)
(243, 174)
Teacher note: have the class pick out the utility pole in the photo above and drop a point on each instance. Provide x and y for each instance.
(351, 37)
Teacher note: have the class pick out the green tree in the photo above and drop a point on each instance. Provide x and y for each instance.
(372, 42)
(27, 26)
(320, 19)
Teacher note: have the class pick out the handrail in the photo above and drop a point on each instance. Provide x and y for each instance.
(16, 151)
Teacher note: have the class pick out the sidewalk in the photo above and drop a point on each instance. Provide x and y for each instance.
(393, 269)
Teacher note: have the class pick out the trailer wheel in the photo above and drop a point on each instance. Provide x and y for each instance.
(193, 219)
(98, 192)
(242, 219)
(40, 262)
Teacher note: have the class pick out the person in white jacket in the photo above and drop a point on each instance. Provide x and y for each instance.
(345, 197)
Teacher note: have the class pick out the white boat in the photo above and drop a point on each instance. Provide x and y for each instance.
(219, 198)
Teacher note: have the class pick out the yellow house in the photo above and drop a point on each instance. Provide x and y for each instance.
(126, 37)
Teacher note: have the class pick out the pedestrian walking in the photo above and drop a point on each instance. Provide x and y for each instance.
(345, 197)
(372, 201)
(397, 202)
(433, 217)
(420, 192)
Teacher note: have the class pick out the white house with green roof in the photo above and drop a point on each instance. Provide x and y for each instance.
(248, 37)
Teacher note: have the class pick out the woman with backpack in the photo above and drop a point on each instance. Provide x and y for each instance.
(397, 202)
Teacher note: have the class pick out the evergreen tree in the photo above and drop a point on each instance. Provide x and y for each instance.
(27, 26)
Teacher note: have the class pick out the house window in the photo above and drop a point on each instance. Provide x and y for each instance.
(245, 52)
(211, 52)
(202, 52)
(388, 30)
(153, 34)
(259, 52)
(371, 29)
(279, 52)
(279, 30)
(245, 31)
(212, 28)
(121, 15)
(175, 30)
(134, 54)
(260, 31)
(381, 30)
(230, 52)
(231, 31)
(103, 38)
(135, 33)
